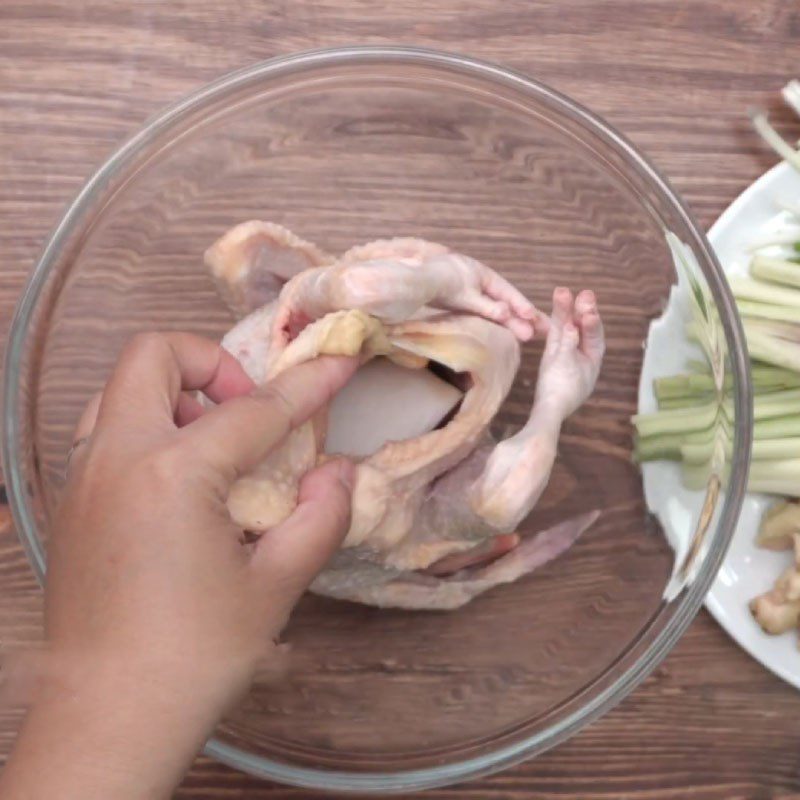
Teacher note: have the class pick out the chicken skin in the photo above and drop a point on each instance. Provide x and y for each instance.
(435, 510)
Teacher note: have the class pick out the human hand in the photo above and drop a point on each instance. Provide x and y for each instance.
(157, 610)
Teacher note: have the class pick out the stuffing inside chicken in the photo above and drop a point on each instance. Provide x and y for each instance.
(436, 503)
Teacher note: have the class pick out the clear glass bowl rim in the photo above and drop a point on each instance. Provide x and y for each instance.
(371, 56)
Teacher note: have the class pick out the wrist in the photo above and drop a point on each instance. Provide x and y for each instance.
(106, 732)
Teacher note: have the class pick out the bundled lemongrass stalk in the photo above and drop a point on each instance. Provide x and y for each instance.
(693, 424)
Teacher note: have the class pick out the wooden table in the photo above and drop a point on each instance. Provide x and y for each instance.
(677, 76)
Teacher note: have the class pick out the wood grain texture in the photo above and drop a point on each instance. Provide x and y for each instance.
(676, 77)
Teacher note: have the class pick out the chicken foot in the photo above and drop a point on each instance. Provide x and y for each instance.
(394, 279)
(518, 469)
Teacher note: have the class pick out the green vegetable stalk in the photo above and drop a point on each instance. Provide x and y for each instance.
(694, 421)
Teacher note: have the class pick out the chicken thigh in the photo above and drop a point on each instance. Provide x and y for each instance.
(434, 515)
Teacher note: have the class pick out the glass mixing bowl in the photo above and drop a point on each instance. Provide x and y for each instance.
(343, 146)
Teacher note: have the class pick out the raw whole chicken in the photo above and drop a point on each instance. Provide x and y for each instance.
(436, 503)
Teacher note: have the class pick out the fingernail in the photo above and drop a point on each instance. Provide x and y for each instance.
(347, 473)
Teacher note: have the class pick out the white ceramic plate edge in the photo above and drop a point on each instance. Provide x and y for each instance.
(748, 570)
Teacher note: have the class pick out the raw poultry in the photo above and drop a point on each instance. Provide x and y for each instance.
(436, 502)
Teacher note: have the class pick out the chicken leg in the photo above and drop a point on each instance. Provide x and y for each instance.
(497, 485)
(396, 280)
(518, 469)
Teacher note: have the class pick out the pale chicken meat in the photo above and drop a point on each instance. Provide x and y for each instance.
(436, 503)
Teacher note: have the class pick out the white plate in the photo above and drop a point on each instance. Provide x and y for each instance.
(748, 570)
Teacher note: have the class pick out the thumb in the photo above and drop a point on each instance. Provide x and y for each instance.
(290, 555)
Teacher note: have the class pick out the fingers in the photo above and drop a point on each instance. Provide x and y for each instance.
(289, 556)
(236, 435)
(189, 409)
(154, 368)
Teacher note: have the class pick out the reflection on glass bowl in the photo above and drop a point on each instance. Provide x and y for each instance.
(349, 145)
